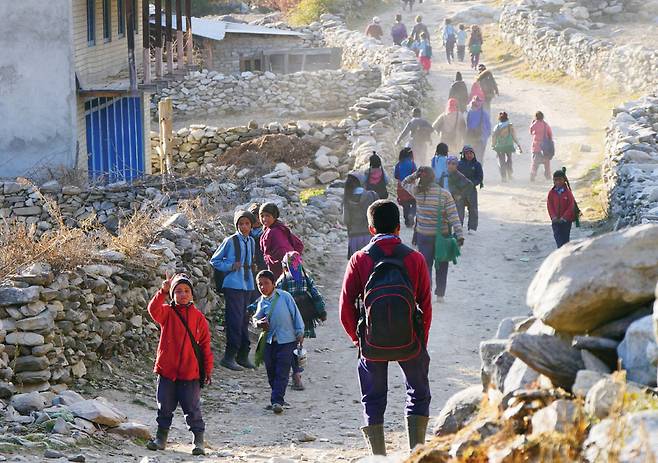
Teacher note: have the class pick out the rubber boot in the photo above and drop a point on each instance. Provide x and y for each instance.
(228, 361)
(242, 359)
(160, 441)
(416, 429)
(199, 444)
(374, 435)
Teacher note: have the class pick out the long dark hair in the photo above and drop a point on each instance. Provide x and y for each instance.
(405, 153)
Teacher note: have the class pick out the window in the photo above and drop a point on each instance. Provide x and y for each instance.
(91, 23)
(121, 18)
(107, 20)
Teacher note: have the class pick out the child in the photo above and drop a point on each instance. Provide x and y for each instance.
(309, 301)
(177, 366)
(356, 200)
(376, 178)
(256, 232)
(278, 315)
(462, 35)
(405, 167)
(235, 257)
(425, 52)
(561, 207)
(277, 239)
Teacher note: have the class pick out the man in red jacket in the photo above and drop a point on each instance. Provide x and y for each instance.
(384, 225)
(176, 363)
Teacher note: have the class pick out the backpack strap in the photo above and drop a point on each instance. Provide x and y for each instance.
(237, 249)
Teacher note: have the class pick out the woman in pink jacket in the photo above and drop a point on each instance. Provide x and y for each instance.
(277, 240)
(542, 146)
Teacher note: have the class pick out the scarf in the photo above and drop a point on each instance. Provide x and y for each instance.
(293, 262)
(453, 106)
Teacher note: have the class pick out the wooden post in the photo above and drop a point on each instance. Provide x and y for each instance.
(180, 40)
(169, 39)
(157, 38)
(304, 62)
(286, 63)
(130, 35)
(146, 41)
(165, 116)
(207, 54)
(189, 44)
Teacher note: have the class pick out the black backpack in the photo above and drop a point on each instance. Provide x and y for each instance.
(390, 326)
(219, 276)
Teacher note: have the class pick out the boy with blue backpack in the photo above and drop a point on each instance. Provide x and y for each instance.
(386, 310)
(234, 262)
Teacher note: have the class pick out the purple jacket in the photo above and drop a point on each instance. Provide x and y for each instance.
(275, 242)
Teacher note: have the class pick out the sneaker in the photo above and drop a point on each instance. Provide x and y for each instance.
(277, 408)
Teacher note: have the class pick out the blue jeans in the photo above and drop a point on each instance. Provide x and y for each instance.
(426, 248)
(373, 379)
(186, 393)
(562, 233)
(236, 320)
(278, 360)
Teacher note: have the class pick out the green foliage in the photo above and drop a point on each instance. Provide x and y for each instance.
(308, 11)
(309, 193)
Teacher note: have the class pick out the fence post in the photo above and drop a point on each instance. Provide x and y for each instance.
(165, 116)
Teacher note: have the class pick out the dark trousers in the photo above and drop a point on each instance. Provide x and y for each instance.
(236, 320)
(278, 360)
(450, 52)
(408, 212)
(505, 166)
(186, 393)
(373, 379)
(469, 202)
(561, 233)
(461, 52)
(426, 248)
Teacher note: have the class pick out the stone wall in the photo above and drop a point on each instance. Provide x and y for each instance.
(630, 168)
(551, 41)
(209, 92)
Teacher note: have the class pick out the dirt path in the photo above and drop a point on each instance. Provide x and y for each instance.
(488, 284)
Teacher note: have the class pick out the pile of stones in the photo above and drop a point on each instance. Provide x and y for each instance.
(630, 167)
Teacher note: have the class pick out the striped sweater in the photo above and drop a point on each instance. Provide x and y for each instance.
(428, 204)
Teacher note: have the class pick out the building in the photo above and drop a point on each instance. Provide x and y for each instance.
(70, 95)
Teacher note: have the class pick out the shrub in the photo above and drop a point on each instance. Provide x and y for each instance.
(308, 11)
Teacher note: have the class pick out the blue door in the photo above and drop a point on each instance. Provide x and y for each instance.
(115, 141)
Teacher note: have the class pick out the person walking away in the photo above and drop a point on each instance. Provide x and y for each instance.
(459, 92)
(389, 324)
(235, 259)
(478, 128)
(278, 316)
(503, 141)
(440, 163)
(488, 85)
(181, 374)
(425, 52)
(411, 44)
(376, 178)
(562, 207)
(408, 3)
(543, 148)
(310, 303)
(420, 132)
(449, 40)
(459, 186)
(435, 211)
(277, 239)
(472, 170)
(374, 30)
(399, 30)
(462, 36)
(356, 200)
(404, 168)
(475, 42)
(419, 28)
(451, 125)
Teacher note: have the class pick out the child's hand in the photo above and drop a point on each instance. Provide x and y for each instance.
(166, 284)
(208, 381)
(300, 338)
(263, 324)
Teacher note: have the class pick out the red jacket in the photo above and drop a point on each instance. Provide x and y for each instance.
(357, 273)
(561, 206)
(176, 359)
(275, 242)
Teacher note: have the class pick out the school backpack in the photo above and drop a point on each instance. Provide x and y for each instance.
(220, 276)
(390, 326)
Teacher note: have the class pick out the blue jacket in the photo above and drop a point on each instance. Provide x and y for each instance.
(479, 118)
(472, 170)
(440, 166)
(224, 258)
(404, 168)
(285, 320)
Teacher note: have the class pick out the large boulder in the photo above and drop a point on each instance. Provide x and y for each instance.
(561, 416)
(458, 411)
(28, 403)
(99, 411)
(631, 438)
(585, 284)
(633, 352)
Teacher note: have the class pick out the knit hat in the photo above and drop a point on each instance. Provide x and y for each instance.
(180, 278)
(254, 208)
(468, 149)
(453, 159)
(270, 208)
(240, 214)
(375, 20)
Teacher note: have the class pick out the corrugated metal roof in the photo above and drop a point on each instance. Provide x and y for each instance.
(217, 30)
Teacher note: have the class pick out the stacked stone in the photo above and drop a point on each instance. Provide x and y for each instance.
(556, 41)
(209, 92)
(593, 10)
(630, 167)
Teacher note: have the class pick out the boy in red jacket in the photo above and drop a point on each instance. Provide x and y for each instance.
(277, 240)
(176, 363)
(561, 207)
(384, 225)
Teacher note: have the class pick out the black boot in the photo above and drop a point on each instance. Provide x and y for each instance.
(198, 444)
(243, 360)
(416, 429)
(160, 441)
(229, 361)
(374, 436)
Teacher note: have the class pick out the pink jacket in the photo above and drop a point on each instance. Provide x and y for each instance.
(275, 242)
(539, 130)
(476, 90)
